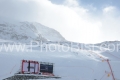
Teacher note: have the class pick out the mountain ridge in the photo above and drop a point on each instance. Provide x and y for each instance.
(27, 31)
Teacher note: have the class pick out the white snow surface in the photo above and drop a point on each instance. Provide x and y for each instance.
(81, 63)
(77, 64)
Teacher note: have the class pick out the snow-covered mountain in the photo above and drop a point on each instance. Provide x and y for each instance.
(73, 61)
(109, 42)
(27, 31)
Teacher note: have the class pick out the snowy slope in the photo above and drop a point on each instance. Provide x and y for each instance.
(81, 62)
(111, 48)
(70, 65)
(27, 31)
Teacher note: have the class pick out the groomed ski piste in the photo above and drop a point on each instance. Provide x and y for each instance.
(72, 64)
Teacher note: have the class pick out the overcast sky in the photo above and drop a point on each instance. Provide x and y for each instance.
(85, 21)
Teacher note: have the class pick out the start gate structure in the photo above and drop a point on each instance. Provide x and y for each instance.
(34, 70)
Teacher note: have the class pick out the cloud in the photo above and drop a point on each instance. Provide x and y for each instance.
(71, 3)
(109, 9)
(72, 20)
(110, 23)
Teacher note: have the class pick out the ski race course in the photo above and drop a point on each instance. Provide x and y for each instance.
(70, 63)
